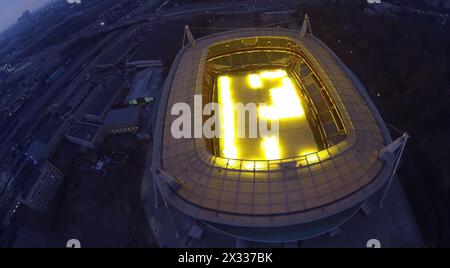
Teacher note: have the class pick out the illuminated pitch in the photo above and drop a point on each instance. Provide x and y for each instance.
(283, 103)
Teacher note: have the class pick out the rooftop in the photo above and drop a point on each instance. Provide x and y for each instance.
(277, 192)
(124, 117)
(28, 178)
(84, 131)
(145, 84)
(36, 151)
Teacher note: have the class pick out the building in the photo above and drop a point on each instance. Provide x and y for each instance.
(39, 186)
(123, 120)
(86, 134)
(138, 64)
(36, 151)
(106, 97)
(292, 188)
(145, 86)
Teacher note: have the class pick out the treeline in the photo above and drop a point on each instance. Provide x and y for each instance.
(403, 60)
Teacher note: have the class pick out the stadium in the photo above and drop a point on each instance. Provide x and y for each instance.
(313, 178)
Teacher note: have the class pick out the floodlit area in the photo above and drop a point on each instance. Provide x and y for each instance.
(276, 97)
(301, 181)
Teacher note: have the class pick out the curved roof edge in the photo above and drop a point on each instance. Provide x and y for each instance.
(169, 193)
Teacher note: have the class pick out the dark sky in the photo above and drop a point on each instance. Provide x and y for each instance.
(10, 10)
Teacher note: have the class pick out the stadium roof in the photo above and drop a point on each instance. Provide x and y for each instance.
(285, 192)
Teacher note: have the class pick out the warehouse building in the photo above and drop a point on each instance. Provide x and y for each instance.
(145, 86)
(36, 151)
(126, 120)
(86, 134)
(137, 64)
(40, 185)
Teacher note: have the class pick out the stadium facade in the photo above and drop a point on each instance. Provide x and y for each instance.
(271, 200)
